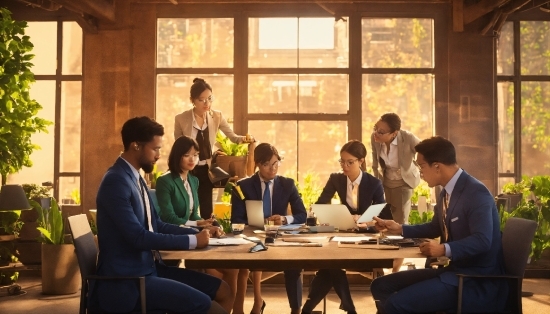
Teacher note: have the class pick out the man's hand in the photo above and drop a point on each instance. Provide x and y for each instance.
(215, 232)
(388, 225)
(202, 238)
(277, 219)
(432, 249)
(205, 223)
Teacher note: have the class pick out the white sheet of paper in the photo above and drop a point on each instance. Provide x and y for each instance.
(227, 241)
(350, 239)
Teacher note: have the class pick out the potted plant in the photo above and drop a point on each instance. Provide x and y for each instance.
(28, 245)
(420, 196)
(9, 229)
(231, 157)
(60, 272)
(17, 109)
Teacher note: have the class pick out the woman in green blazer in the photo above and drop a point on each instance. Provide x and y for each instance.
(178, 198)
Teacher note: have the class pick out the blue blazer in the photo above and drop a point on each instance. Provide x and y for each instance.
(125, 243)
(474, 239)
(284, 192)
(370, 191)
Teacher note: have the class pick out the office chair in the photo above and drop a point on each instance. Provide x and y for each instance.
(86, 254)
(516, 244)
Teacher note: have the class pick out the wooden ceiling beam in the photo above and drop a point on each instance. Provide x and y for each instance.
(286, 1)
(475, 11)
(100, 9)
(534, 4)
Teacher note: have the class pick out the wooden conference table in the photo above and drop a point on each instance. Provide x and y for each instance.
(292, 257)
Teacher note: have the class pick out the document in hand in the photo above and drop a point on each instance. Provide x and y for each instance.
(372, 211)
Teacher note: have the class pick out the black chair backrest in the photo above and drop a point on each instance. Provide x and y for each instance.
(85, 247)
(516, 243)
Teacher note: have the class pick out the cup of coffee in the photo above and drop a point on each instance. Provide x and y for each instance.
(311, 221)
(271, 233)
(237, 228)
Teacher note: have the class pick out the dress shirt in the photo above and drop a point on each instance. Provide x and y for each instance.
(194, 131)
(449, 187)
(391, 158)
(353, 198)
(192, 237)
(289, 219)
(187, 187)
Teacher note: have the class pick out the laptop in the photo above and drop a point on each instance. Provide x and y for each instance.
(336, 215)
(372, 211)
(255, 213)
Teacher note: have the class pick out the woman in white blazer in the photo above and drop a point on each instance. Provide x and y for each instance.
(202, 123)
(392, 162)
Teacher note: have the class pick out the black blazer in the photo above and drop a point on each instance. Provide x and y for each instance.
(370, 191)
(284, 192)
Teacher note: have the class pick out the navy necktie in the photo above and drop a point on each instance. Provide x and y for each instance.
(267, 200)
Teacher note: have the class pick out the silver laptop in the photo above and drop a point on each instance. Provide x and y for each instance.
(372, 211)
(336, 215)
(255, 213)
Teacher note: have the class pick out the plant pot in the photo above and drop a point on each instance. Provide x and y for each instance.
(234, 165)
(29, 252)
(60, 272)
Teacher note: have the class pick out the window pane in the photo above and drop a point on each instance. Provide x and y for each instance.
(505, 91)
(272, 42)
(317, 93)
(70, 126)
(535, 128)
(282, 135)
(315, 148)
(319, 147)
(44, 38)
(72, 48)
(272, 93)
(535, 46)
(173, 92)
(397, 43)
(43, 158)
(505, 51)
(195, 43)
(277, 42)
(69, 190)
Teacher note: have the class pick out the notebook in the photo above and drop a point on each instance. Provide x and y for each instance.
(372, 211)
(255, 213)
(336, 215)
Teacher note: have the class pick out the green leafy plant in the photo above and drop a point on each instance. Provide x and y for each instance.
(93, 226)
(225, 223)
(51, 224)
(415, 218)
(309, 190)
(35, 191)
(229, 148)
(75, 196)
(534, 205)
(421, 190)
(10, 223)
(18, 120)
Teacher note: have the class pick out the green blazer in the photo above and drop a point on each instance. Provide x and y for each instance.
(173, 199)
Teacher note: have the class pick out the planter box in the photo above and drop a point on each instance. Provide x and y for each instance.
(60, 272)
(234, 165)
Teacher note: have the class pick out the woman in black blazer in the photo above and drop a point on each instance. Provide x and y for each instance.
(357, 190)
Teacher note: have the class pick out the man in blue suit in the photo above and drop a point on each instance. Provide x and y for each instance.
(467, 221)
(130, 233)
(280, 192)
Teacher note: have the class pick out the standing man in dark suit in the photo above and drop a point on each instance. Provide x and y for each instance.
(130, 233)
(277, 192)
(467, 221)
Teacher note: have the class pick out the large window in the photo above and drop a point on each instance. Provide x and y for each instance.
(290, 84)
(523, 69)
(58, 73)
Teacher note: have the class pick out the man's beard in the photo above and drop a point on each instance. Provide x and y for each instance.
(147, 167)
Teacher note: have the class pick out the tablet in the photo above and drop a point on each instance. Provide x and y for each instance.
(372, 211)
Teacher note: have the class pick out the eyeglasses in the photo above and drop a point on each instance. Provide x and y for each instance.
(274, 165)
(378, 132)
(348, 163)
(194, 156)
(210, 100)
(419, 166)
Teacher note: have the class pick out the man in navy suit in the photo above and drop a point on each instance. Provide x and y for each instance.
(280, 191)
(130, 233)
(467, 221)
